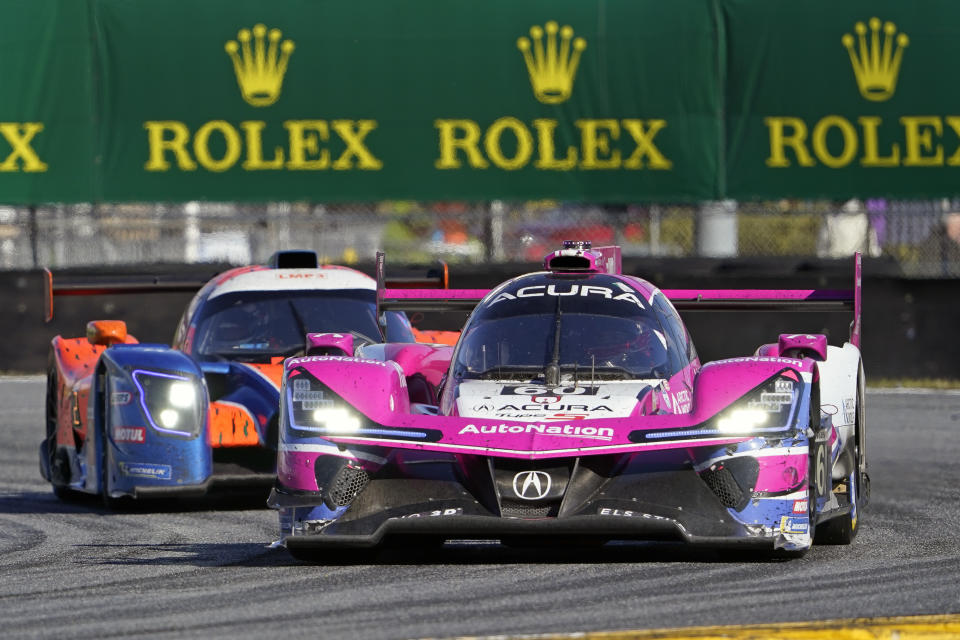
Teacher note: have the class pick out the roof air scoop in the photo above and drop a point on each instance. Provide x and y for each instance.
(294, 259)
(578, 256)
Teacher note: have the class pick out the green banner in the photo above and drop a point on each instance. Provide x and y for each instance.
(47, 121)
(419, 99)
(837, 100)
(425, 99)
(587, 100)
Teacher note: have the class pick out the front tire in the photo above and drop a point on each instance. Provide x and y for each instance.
(843, 529)
(57, 461)
(106, 460)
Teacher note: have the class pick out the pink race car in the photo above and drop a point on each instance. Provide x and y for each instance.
(574, 406)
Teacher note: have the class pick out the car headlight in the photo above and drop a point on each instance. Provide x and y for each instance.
(312, 407)
(768, 409)
(171, 402)
(742, 420)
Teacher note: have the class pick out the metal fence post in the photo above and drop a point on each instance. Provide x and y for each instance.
(34, 236)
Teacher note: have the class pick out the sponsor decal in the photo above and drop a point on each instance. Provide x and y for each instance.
(875, 51)
(592, 433)
(532, 485)
(794, 525)
(119, 398)
(259, 76)
(22, 156)
(560, 417)
(545, 399)
(849, 410)
(436, 513)
(535, 390)
(553, 407)
(299, 361)
(581, 290)
(800, 506)
(821, 472)
(604, 143)
(259, 58)
(552, 78)
(147, 470)
(627, 513)
(129, 434)
(681, 401)
(777, 360)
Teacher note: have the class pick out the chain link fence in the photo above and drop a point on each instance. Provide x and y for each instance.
(923, 237)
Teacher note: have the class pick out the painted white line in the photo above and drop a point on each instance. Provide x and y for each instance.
(28, 379)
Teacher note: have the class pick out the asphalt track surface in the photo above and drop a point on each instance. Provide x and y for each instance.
(206, 570)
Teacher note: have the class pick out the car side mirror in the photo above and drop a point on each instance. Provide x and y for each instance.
(106, 332)
(326, 344)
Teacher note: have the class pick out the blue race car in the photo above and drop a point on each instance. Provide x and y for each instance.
(125, 419)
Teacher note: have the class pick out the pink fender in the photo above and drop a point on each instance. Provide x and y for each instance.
(377, 389)
(430, 360)
(724, 381)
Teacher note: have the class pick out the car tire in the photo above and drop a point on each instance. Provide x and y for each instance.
(111, 503)
(59, 465)
(843, 529)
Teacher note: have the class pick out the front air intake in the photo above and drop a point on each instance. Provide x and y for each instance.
(346, 485)
(733, 481)
(520, 509)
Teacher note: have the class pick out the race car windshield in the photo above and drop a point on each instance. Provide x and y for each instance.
(256, 326)
(608, 339)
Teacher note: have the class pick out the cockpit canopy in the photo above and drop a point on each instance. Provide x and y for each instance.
(255, 326)
(588, 325)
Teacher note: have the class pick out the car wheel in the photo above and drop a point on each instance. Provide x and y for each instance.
(106, 464)
(59, 465)
(843, 529)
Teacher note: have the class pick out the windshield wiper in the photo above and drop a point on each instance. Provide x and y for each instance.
(301, 325)
(551, 374)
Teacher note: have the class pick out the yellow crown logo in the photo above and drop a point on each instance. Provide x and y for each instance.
(259, 68)
(876, 67)
(553, 68)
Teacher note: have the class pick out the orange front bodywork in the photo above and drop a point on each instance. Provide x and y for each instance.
(231, 425)
(431, 336)
(74, 360)
(272, 372)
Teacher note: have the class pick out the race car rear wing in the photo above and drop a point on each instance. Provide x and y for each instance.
(842, 300)
(111, 284)
(93, 285)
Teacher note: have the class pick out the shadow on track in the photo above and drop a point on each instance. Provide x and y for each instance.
(245, 554)
(490, 552)
(44, 502)
(263, 555)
